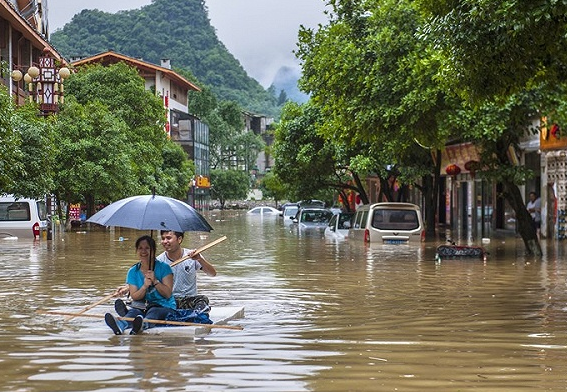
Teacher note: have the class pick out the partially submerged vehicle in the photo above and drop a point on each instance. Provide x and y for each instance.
(289, 210)
(22, 218)
(312, 218)
(339, 225)
(388, 223)
(454, 251)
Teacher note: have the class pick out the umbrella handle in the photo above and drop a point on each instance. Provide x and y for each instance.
(199, 250)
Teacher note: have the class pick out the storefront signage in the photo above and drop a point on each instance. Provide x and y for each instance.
(459, 155)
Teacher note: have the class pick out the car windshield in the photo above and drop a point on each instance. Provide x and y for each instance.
(395, 219)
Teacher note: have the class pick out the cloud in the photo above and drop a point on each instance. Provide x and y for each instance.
(262, 34)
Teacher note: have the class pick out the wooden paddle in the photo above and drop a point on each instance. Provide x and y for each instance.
(165, 322)
(109, 296)
(99, 302)
(199, 250)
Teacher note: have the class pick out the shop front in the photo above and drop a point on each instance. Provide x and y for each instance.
(471, 209)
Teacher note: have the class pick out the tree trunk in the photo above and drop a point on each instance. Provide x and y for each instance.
(429, 205)
(361, 190)
(523, 218)
(90, 205)
(385, 190)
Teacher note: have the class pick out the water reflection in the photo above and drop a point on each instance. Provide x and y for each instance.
(321, 315)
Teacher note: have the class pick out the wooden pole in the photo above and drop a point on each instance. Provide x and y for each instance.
(164, 322)
(99, 302)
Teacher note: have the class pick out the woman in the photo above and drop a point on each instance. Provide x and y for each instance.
(149, 289)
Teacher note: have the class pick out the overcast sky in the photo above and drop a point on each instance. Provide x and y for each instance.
(261, 34)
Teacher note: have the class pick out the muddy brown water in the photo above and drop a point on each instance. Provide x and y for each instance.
(321, 314)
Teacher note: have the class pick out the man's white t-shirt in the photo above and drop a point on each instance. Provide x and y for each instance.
(184, 275)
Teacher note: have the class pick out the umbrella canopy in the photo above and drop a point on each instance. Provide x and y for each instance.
(151, 212)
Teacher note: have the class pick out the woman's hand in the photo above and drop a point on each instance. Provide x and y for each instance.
(121, 291)
(149, 278)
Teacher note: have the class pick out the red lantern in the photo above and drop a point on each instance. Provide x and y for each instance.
(555, 131)
(472, 167)
(453, 169)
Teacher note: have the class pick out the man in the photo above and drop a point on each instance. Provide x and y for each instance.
(185, 273)
(534, 208)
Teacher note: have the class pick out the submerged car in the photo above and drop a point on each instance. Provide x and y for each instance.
(387, 223)
(339, 224)
(289, 210)
(22, 218)
(312, 218)
(263, 210)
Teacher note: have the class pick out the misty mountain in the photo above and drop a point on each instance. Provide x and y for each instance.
(179, 30)
(286, 79)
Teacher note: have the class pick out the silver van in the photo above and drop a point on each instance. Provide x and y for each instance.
(22, 218)
(387, 223)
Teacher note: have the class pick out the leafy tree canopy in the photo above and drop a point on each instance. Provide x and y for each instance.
(494, 48)
(120, 88)
(112, 142)
(10, 153)
(94, 155)
(26, 151)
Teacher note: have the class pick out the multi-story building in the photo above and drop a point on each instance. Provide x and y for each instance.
(23, 41)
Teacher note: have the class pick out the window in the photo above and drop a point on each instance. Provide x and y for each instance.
(16, 211)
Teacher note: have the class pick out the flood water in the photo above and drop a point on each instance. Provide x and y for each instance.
(320, 315)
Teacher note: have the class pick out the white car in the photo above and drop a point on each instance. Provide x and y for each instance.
(289, 211)
(264, 210)
(339, 224)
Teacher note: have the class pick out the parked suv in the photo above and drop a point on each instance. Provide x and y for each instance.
(387, 223)
(22, 218)
(312, 218)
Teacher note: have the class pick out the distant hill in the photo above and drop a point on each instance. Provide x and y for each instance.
(286, 79)
(178, 30)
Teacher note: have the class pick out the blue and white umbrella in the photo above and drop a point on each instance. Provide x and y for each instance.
(151, 212)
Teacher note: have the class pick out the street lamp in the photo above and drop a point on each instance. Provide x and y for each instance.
(45, 83)
(193, 184)
(45, 87)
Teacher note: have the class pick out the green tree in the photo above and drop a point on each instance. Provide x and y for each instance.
(36, 179)
(375, 84)
(379, 77)
(282, 98)
(120, 88)
(497, 128)
(10, 153)
(94, 158)
(494, 48)
(228, 142)
(27, 150)
(229, 185)
(176, 172)
(273, 187)
(507, 60)
(310, 165)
